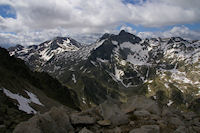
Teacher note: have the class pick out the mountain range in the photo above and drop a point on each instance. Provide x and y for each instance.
(65, 72)
(119, 66)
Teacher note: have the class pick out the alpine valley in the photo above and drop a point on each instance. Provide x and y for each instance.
(115, 70)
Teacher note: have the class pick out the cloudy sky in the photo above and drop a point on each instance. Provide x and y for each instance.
(30, 22)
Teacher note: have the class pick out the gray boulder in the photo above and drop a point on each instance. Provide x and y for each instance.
(196, 121)
(141, 113)
(189, 115)
(151, 128)
(104, 123)
(147, 129)
(54, 121)
(166, 112)
(77, 119)
(85, 130)
(155, 117)
(176, 121)
(138, 130)
(61, 118)
(140, 103)
(181, 129)
(111, 111)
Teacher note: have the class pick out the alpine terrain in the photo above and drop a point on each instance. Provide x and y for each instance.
(120, 83)
(120, 66)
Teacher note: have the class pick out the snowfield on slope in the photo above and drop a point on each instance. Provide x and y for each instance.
(139, 54)
(23, 103)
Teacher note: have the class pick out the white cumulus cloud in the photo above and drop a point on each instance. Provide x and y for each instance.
(39, 20)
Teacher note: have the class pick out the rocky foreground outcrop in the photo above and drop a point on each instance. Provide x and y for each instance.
(138, 115)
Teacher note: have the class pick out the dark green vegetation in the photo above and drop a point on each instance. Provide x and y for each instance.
(93, 85)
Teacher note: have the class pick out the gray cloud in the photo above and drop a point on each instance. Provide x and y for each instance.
(176, 31)
(39, 20)
(99, 15)
(182, 31)
(34, 38)
(128, 28)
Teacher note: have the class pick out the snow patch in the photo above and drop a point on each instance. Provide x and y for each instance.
(45, 55)
(150, 81)
(93, 63)
(149, 89)
(123, 62)
(83, 99)
(170, 103)
(84, 70)
(67, 46)
(74, 78)
(68, 41)
(33, 98)
(112, 76)
(23, 103)
(180, 76)
(102, 60)
(115, 42)
(166, 85)
(81, 68)
(154, 97)
(118, 74)
(139, 54)
(71, 69)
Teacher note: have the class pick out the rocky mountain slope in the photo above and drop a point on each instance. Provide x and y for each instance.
(24, 92)
(138, 115)
(123, 65)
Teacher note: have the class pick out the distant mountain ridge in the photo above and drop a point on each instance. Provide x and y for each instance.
(122, 65)
(39, 54)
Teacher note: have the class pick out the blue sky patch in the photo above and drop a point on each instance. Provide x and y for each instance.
(139, 28)
(135, 2)
(7, 11)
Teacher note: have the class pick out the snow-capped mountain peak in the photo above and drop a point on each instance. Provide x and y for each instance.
(56, 46)
(39, 54)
